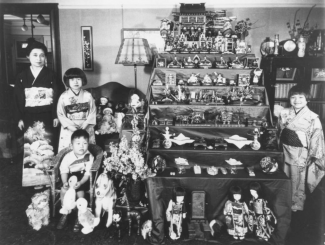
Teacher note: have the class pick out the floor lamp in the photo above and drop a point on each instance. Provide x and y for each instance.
(134, 51)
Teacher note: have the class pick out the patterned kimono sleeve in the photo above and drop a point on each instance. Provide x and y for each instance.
(228, 208)
(64, 120)
(91, 118)
(316, 144)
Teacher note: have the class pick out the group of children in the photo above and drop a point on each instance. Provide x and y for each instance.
(300, 129)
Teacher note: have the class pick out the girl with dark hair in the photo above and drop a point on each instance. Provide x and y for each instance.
(176, 212)
(261, 218)
(76, 108)
(302, 137)
(35, 100)
(236, 212)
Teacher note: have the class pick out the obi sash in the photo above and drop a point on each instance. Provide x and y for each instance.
(77, 111)
(38, 96)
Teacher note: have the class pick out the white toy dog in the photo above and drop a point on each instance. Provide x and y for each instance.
(146, 229)
(105, 197)
(86, 218)
(69, 199)
(38, 212)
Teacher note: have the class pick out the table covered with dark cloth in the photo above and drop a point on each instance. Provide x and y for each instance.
(276, 189)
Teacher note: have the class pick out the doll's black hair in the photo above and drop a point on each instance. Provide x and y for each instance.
(256, 187)
(178, 191)
(80, 133)
(235, 190)
(74, 73)
(299, 89)
(32, 44)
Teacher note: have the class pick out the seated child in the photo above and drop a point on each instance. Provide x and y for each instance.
(77, 162)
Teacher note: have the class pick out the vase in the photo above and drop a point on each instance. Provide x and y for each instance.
(133, 192)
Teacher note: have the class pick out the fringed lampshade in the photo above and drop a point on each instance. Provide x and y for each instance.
(134, 51)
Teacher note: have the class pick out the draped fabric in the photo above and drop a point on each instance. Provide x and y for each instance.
(276, 188)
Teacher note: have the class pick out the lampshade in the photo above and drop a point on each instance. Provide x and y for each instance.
(134, 51)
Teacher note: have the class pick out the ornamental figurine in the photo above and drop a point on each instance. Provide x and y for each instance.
(261, 218)
(222, 64)
(207, 80)
(107, 124)
(193, 80)
(205, 63)
(236, 212)
(176, 212)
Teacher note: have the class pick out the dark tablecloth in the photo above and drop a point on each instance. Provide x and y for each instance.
(276, 188)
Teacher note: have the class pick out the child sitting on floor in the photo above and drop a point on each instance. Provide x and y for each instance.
(77, 163)
(302, 138)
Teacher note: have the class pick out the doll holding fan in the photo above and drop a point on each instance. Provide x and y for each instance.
(261, 218)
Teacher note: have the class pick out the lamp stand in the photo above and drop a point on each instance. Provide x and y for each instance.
(135, 76)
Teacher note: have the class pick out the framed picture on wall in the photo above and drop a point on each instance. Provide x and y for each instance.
(285, 74)
(87, 48)
(318, 74)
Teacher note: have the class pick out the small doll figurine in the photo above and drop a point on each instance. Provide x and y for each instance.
(193, 80)
(207, 80)
(236, 212)
(135, 103)
(107, 124)
(257, 75)
(101, 104)
(261, 218)
(38, 212)
(176, 212)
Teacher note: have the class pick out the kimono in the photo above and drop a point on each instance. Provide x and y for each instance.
(74, 110)
(236, 218)
(35, 102)
(175, 214)
(261, 218)
(304, 149)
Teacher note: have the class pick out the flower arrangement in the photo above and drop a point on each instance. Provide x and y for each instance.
(296, 30)
(242, 27)
(127, 160)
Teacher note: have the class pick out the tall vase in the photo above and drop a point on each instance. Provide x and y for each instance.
(134, 192)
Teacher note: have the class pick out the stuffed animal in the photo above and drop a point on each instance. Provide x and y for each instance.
(38, 212)
(86, 218)
(38, 154)
(69, 199)
(117, 216)
(105, 197)
(146, 229)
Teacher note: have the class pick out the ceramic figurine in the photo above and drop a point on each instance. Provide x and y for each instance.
(158, 164)
(255, 145)
(261, 218)
(257, 75)
(135, 103)
(175, 63)
(220, 80)
(236, 64)
(236, 212)
(167, 143)
(205, 63)
(85, 217)
(146, 229)
(117, 217)
(176, 212)
(69, 199)
(222, 64)
(38, 212)
(193, 80)
(105, 197)
(207, 80)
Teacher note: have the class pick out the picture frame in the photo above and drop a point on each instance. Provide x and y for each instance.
(243, 79)
(198, 205)
(161, 62)
(87, 48)
(285, 74)
(317, 75)
(156, 42)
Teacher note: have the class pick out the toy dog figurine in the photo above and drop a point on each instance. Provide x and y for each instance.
(38, 212)
(146, 229)
(86, 218)
(105, 197)
(69, 200)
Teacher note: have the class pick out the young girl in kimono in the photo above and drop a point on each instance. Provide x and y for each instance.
(302, 137)
(76, 108)
(35, 99)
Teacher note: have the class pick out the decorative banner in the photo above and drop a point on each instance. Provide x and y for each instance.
(87, 48)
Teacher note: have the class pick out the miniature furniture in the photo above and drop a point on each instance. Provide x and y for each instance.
(54, 174)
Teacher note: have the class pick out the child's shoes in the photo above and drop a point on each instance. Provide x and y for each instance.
(62, 222)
